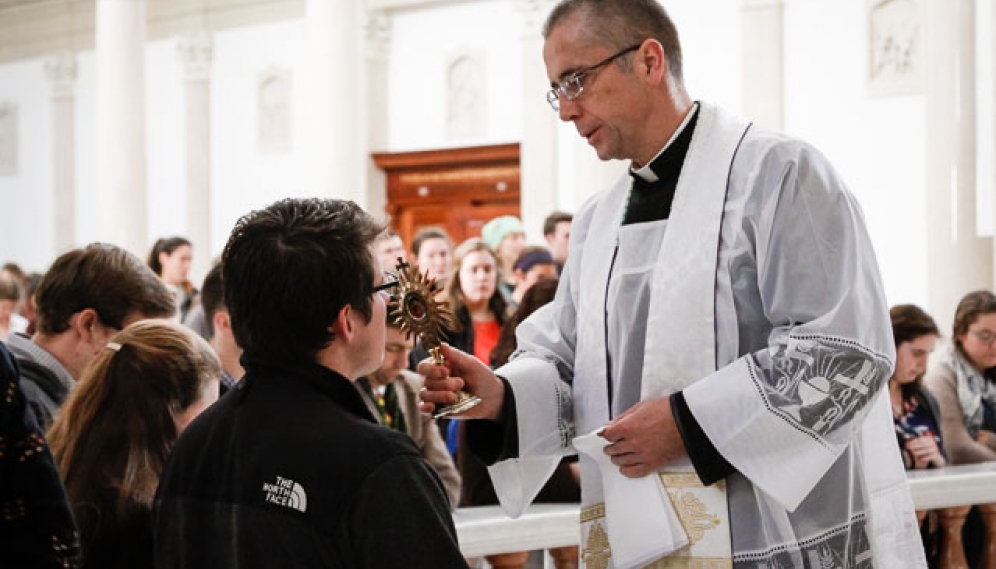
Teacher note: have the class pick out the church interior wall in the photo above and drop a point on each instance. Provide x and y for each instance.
(247, 172)
(85, 160)
(244, 177)
(431, 108)
(165, 140)
(710, 40)
(878, 143)
(26, 192)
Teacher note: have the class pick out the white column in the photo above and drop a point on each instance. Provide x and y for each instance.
(763, 44)
(378, 49)
(121, 189)
(538, 152)
(196, 52)
(61, 71)
(338, 144)
(958, 261)
(986, 165)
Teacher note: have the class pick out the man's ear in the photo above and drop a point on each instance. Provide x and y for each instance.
(222, 321)
(651, 61)
(520, 275)
(343, 327)
(83, 322)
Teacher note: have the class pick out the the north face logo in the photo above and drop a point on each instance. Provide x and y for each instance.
(287, 493)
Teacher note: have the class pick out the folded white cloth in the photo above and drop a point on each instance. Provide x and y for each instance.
(518, 481)
(640, 520)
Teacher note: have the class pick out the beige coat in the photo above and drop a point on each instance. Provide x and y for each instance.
(422, 429)
(960, 446)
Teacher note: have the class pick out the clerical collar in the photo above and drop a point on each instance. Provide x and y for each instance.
(646, 173)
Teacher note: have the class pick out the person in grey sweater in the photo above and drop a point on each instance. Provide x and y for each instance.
(86, 297)
(963, 382)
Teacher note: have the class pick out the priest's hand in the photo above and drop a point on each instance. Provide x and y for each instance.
(644, 438)
(461, 371)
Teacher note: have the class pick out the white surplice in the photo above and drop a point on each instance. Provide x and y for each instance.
(786, 387)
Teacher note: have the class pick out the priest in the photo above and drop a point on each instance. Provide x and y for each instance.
(719, 342)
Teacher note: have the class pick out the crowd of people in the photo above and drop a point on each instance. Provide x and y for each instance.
(101, 368)
(111, 379)
(694, 326)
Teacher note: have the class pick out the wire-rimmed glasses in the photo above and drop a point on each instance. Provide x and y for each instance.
(573, 85)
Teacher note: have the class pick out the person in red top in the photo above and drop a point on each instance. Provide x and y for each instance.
(478, 310)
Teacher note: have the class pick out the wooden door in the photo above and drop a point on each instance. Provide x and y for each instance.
(457, 189)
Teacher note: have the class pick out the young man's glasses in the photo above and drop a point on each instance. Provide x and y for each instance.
(388, 283)
(573, 86)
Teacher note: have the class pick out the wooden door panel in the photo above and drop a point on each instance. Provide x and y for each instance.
(457, 189)
(460, 221)
(409, 220)
(473, 217)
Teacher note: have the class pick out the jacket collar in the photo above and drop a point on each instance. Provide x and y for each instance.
(320, 378)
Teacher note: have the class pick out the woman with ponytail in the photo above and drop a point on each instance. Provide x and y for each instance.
(112, 436)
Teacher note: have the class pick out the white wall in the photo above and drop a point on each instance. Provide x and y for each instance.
(242, 178)
(710, 44)
(165, 141)
(26, 213)
(86, 152)
(422, 41)
(878, 145)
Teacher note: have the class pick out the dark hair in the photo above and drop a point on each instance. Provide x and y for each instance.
(531, 256)
(104, 277)
(427, 233)
(910, 322)
(551, 221)
(31, 282)
(539, 294)
(212, 296)
(455, 298)
(618, 24)
(166, 245)
(10, 286)
(288, 270)
(970, 307)
(118, 424)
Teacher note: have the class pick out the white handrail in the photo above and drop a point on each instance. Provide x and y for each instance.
(961, 485)
(486, 530)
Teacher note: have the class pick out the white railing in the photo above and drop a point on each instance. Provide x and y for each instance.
(487, 530)
(962, 485)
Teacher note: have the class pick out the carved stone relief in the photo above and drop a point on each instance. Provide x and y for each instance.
(61, 71)
(378, 34)
(466, 95)
(196, 52)
(273, 111)
(8, 139)
(895, 47)
(534, 14)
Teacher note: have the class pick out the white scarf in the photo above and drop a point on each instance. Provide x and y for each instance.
(973, 389)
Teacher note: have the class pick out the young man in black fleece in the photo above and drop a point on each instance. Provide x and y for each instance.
(290, 469)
